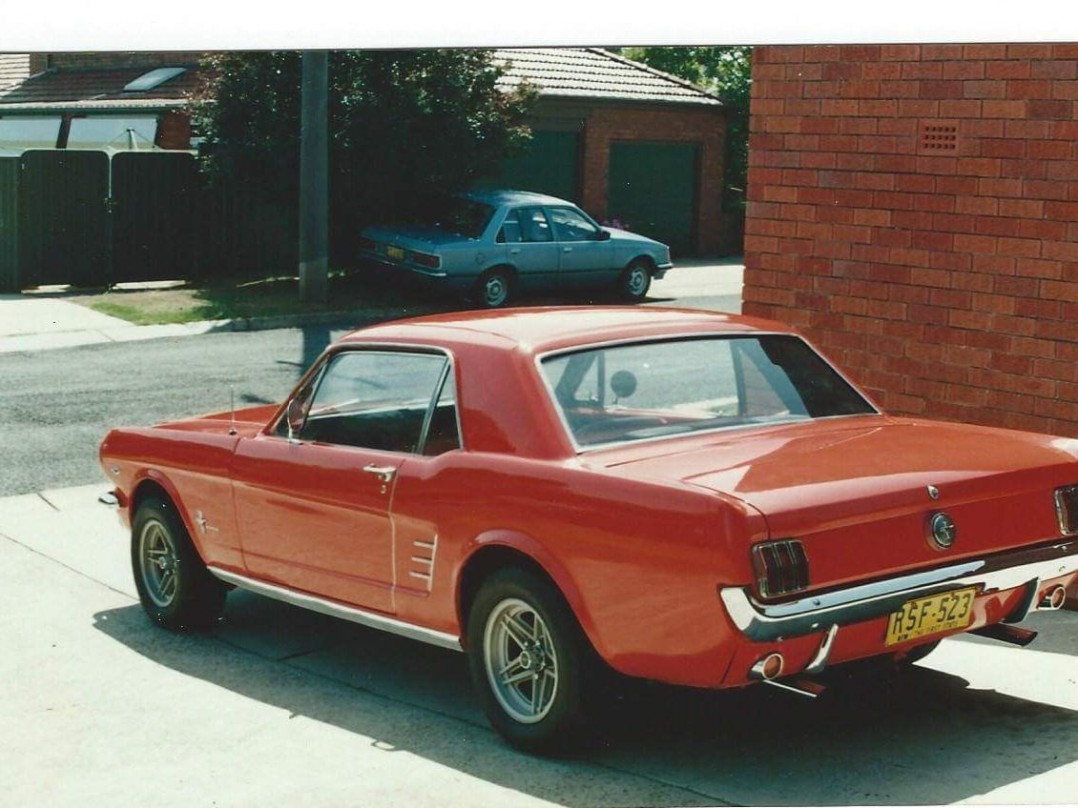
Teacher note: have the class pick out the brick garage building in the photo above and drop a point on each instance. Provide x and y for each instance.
(914, 208)
(626, 142)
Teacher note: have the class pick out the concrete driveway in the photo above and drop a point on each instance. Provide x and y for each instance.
(283, 707)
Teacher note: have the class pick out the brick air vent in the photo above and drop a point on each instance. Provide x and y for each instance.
(938, 137)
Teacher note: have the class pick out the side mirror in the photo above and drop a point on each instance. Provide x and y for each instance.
(623, 383)
(603, 235)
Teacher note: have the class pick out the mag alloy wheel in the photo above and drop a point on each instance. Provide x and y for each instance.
(159, 563)
(521, 661)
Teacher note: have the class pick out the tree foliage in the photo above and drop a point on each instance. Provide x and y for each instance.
(726, 71)
(401, 124)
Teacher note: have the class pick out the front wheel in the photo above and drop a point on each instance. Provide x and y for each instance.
(635, 281)
(526, 654)
(174, 586)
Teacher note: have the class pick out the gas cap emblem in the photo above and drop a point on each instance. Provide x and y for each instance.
(933, 492)
(944, 530)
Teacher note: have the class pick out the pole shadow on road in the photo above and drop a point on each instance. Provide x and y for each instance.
(916, 736)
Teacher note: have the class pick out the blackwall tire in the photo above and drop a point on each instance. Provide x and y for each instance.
(635, 281)
(494, 289)
(174, 586)
(528, 658)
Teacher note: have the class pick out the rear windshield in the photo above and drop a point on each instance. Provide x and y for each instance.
(454, 214)
(649, 390)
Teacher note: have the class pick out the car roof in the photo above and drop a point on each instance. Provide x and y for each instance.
(544, 329)
(512, 197)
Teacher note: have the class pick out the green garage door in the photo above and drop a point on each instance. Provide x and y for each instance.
(652, 191)
(549, 165)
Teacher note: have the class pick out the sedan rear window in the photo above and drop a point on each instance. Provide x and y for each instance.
(455, 214)
(649, 390)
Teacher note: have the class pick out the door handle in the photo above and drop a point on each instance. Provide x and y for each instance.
(514, 250)
(383, 473)
(566, 249)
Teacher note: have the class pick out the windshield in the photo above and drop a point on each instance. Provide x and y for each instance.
(454, 214)
(648, 390)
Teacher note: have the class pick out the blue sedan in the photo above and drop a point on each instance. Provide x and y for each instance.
(494, 244)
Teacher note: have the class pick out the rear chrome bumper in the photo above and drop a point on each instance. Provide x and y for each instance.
(763, 622)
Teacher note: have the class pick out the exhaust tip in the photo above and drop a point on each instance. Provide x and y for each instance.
(768, 667)
(1054, 598)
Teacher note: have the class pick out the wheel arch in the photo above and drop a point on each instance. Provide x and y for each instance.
(498, 550)
(510, 270)
(644, 257)
(153, 483)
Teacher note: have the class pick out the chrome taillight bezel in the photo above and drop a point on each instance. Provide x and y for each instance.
(1067, 509)
(780, 568)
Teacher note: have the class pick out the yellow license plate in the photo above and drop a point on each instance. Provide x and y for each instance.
(395, 253)
(934, 615)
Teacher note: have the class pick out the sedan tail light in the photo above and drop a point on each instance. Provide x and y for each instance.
(368, 244)
(425, 260)
(781, 567)
(1067, 509)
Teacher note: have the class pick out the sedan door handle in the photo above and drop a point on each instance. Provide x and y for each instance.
(566, 249)
(514, 250)
(383, 473)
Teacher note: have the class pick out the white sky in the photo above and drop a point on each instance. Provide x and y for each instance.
(76, 25)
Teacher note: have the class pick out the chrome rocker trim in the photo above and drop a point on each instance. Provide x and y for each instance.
(334, 609)
(763, 622)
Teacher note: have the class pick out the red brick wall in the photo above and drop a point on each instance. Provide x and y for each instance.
(946, 281)
(706, 127)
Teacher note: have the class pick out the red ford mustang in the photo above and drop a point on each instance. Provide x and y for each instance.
(681, 496)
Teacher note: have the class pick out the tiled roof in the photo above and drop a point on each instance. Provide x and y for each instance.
(14, 67)
(595, 73)
(96, 89)
(556, 72)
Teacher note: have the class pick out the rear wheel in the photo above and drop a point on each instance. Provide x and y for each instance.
(494, 288)
(527, 657)
(635, 281)
(174, 586)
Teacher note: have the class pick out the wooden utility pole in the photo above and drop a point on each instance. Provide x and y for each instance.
(314, 179)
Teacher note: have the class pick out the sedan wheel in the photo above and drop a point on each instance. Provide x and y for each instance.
(635, 281)
(527, 655)
(493, 289)
(174, 586)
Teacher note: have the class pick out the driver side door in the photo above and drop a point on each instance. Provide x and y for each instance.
(313, 496)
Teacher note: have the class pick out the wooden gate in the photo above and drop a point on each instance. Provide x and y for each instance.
(63, 218)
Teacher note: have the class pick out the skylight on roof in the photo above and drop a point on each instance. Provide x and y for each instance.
(155, 78)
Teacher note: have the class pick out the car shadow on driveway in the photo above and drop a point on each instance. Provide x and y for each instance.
(919, 736)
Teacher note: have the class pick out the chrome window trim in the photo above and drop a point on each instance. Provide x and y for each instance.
(393, 348)
(762, 622)
(691, 335)
(340, 610)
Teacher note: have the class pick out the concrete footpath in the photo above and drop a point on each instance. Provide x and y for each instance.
(32, 322)
(280, 706)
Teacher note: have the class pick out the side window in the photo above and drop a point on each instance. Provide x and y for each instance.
(373, 399)
(443, 434)
(510, 231)
(571, 225)
(534, 225)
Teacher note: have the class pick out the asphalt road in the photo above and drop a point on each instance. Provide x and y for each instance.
(57, 405)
